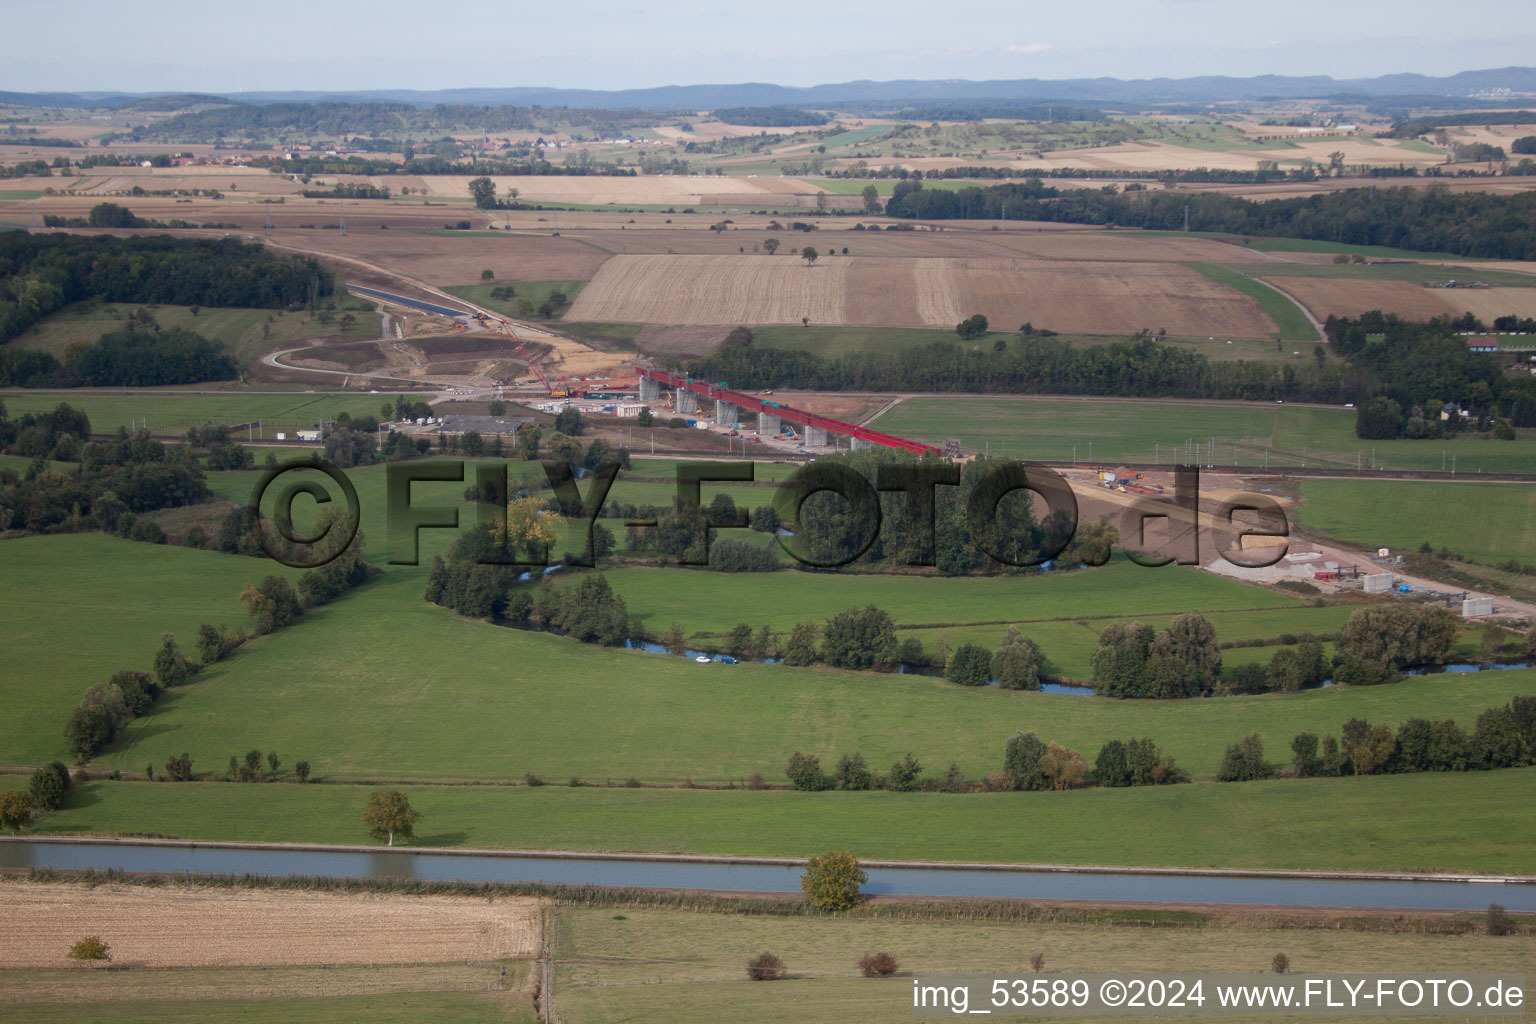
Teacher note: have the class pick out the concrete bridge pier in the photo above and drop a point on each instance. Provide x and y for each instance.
(856, 443)
(767, 423)
(650, 391)
(815, 437)
(687, 402)
(726, 414)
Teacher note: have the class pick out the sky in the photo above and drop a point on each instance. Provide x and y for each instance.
(196, 46)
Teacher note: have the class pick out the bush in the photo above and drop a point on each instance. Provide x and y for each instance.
(1037, 962)
(1243, 761)
(49, 786)
(15, 810)
(765, 967)
(804, 771)
(90, 948)
(971, 665)
(1498, 921)
(832, 880)
(853, 773)
(878, 965)
(1280, 962)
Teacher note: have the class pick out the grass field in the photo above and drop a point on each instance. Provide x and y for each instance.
(1142, 431)
(1455, 821)
(535, 292)
(166, 411)
(1288, 317)
(687, 966)
(238, 329)
(831, 341)
(506, 701)
(79, 608)
(714, 602)
(1486, 522)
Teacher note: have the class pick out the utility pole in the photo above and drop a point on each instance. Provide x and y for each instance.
(342, 228)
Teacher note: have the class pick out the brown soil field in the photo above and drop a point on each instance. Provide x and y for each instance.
(680, 341)
(1083, 297)
(1351, 297)
(182, 926)
(154, 983)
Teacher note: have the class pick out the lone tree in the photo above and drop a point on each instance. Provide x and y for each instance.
(972, 327)
(872, 202)
(390, 814)
(809, 254)
(832, 880)
(484, 192)
(90, 948)
(771, 244)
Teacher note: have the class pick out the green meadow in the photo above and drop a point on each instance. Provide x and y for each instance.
(1485, 522)
(1458, 821)
(1250, 434)
(416, 692)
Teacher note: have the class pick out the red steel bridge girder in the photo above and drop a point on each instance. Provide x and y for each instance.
(756, 403)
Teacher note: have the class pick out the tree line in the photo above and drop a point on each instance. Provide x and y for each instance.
(1431, 219)
(1030, 764)
(1032, 364)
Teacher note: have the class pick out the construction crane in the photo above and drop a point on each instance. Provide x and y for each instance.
(561, 390)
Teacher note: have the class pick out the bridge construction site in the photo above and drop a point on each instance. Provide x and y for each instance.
(773, 419)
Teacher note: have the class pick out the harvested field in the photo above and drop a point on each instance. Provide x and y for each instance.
(967, 238)
(1488, 304)
(1083, 297)
(180, 926)
(714, 290)
(446, 259)
(648, 190)
(1352, 297)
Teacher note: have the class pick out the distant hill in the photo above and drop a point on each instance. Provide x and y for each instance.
(1423, 89)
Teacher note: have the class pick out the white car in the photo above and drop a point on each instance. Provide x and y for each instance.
(702, 659)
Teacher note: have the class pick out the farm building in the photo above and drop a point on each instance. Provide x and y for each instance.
(1482, 344)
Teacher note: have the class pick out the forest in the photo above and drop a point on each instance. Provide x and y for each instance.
(42, 273)
(770, 117)
(334, 119)
(129, 358)
(1431, 219)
